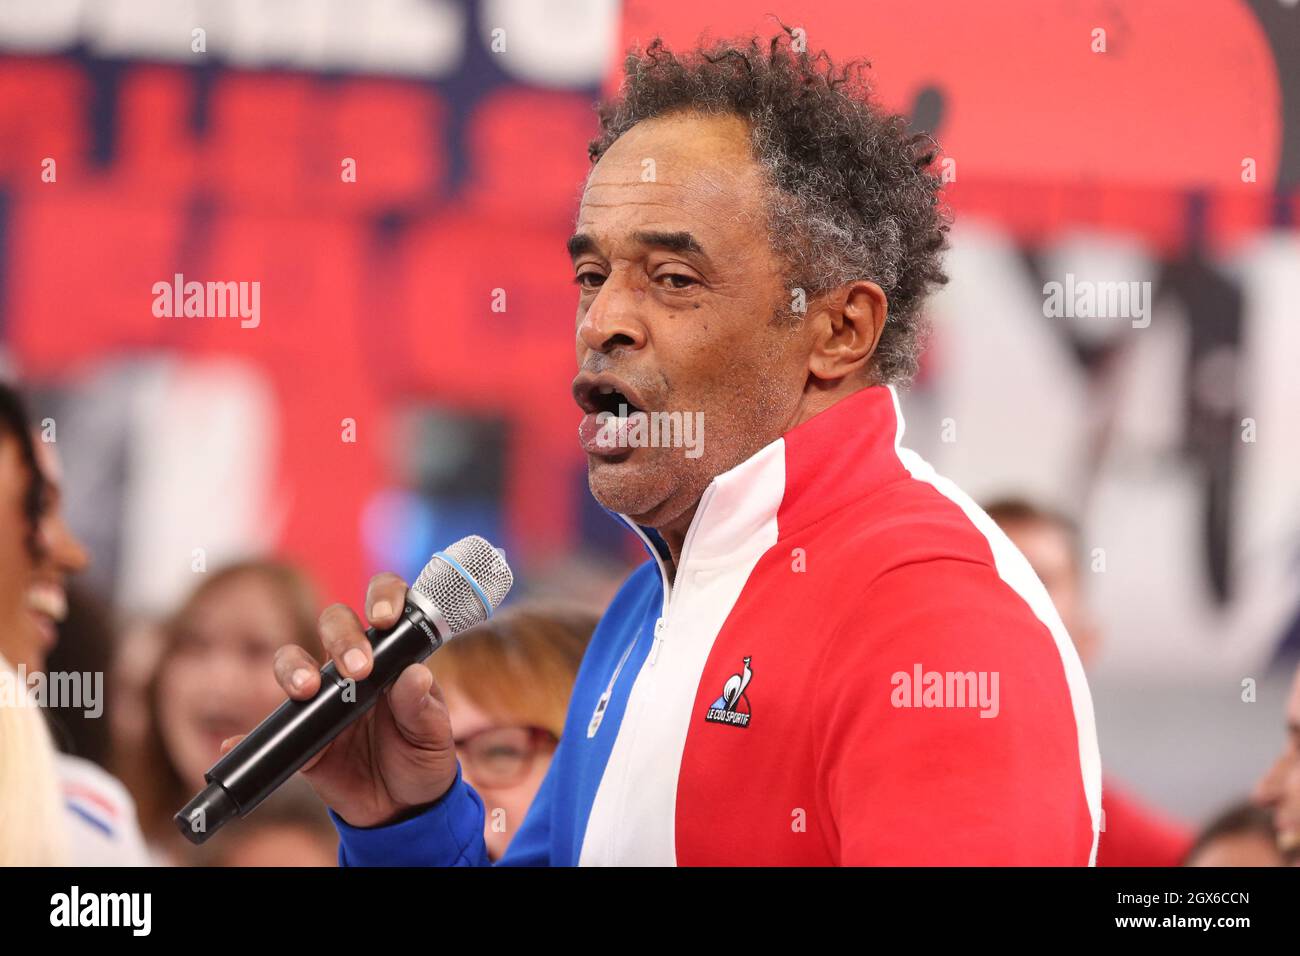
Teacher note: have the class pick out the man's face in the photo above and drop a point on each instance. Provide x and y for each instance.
(678, 292)
(1279, 789)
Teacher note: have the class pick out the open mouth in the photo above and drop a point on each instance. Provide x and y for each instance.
(611, 406)
(606, 393)
(611, 401)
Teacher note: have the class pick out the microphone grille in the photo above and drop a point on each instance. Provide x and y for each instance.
(467, 582)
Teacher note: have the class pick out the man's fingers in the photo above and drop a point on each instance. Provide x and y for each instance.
(316, 758)
(345, 640)
(418, 710)
(296, 672)
(385, 598)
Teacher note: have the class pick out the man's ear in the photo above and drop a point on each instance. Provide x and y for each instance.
(848, 328)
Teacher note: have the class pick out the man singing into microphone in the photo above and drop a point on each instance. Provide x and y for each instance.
(832, 656)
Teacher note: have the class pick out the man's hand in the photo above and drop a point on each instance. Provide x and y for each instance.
(398, 756)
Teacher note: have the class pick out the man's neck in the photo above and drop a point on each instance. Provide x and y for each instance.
(814, 401)
(674, 536)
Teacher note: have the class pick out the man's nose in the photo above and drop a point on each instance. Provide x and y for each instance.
(613, 318)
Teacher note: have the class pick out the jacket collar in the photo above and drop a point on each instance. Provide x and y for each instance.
(835, 458)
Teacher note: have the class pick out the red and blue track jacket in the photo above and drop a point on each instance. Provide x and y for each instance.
(852, 665)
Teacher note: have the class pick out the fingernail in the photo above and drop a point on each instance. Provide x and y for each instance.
(381, 611)
(299, 679)
(223, 744)
(355, 659)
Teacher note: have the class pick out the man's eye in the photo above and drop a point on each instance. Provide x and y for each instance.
(677, 280)
(589, 280)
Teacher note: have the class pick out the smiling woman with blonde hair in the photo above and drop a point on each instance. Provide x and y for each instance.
(31, 806)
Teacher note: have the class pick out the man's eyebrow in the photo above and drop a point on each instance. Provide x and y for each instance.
(582, 243)
(672, 241)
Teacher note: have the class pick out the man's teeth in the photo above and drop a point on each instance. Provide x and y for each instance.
(617, 404)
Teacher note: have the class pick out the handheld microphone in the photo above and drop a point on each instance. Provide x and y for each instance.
(457, 589)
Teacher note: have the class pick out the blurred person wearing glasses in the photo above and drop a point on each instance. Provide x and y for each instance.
(507, 684)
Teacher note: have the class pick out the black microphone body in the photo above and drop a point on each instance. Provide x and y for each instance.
(458, 589)
(299, 729)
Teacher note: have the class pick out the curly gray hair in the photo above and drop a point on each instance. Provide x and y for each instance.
(853, 193)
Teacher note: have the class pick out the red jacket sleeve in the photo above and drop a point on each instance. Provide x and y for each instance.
(1136, 834)
(949, 734)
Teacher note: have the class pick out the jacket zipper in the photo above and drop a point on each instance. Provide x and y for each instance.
(598, 715)
(661, 625)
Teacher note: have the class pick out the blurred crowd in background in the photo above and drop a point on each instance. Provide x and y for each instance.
(184, 494)
(101, 783)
